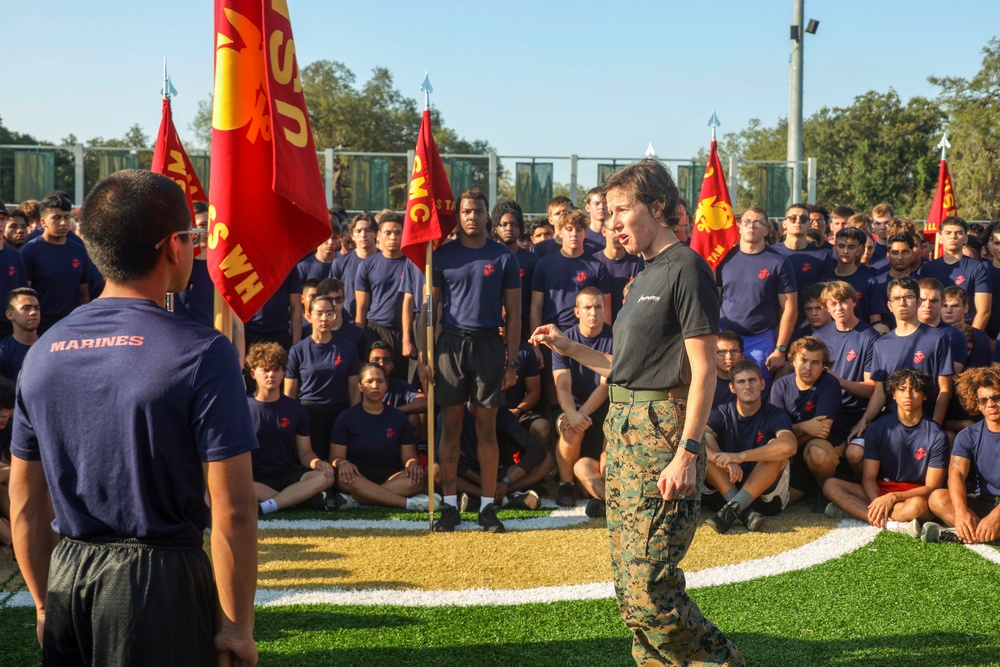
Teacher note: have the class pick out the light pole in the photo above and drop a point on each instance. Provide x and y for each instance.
(795, 96)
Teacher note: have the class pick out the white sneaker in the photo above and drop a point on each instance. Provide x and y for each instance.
(345, 501)
(419, 502)
(911, 528)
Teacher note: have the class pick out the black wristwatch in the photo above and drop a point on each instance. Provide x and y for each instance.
(783, 349)
(513, 364)
(692, 445)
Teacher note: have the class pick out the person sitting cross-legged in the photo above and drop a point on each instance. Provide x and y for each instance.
(368, 443)
(905, 458)
(286, 471)
(972, 517)
(749, 445)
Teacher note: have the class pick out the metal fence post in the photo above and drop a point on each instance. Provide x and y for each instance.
(811, 193)
(493, 177)
(572, 177)
(328, 172)
(78, 183)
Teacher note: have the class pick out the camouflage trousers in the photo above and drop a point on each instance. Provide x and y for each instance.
(649, 536)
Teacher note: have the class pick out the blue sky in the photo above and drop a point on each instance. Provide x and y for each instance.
(538, 78)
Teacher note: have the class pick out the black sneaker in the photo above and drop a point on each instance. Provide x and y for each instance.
(449, 519)
(488, 520)
(935, 532)
(595, 509)
(753, 520)
(528, 500)
(724, 519)
(565, 496)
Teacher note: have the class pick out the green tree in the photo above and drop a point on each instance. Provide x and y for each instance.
(973, 107)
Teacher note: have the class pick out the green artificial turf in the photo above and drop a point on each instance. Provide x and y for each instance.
(368, 513)
(896, 602)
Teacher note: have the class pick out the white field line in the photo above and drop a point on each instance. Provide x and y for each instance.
(989, 553)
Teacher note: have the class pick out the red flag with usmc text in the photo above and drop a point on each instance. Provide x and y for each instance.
(430, 205)
(267, 205)
(714, 233)
(170, 159)
(943, 205)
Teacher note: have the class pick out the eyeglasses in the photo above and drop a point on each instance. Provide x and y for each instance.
(728, 353)
(983, 402)
(195, 233)
(800, 218)
(324, 314)
(337, 299)
(753, 223)
(909, 298)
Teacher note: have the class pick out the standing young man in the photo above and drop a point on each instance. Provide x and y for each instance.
(130, 582)
(662, 380)
(809, 263)
(24, 315)
(954, 268)
(478, 289)
(345, 266)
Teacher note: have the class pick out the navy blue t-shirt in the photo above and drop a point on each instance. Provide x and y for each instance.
(12, 355)
(981, 353)
(879, 301)
(723, 394)
(527, 367)
(163, 395)
(197, 302)
(905, 452)
(737, 433)
(381, 277)
(351, 334)
(311, 268)
(345, 267)
(927, 349)
(507, 424)
(526, 260)
(750, 288)
(56, 273)
(472, 283)
(373, 441)
(968, 273)
(621, 272)
(275, 315)
(823, 399)
(810, 265)
(399, 392)
(591, 244)
(322, 370)
(277, 424)
(560, 278)
(861, 281)
(12, 272)
(850, 356)
(993, 325)
(981, 446)
(584, 381)
(959, 345)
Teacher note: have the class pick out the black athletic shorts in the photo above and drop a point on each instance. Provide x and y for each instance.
(321, 420)
(129, 602)
(592, 445)
(470, 367)
(394, 337)
(982, 504)
(281, 479)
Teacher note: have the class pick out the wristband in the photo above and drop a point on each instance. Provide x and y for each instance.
(506, 480)
(692, 446)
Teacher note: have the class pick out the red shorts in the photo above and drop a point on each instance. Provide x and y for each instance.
(895, 487)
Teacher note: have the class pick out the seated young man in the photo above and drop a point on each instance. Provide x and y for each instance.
(374, 453)
(812, 398)
(749, 443)
(6, 409)
(583, 399)
(905, 458)
(400, 394)
(523, 463)
(286, 471)
(524, 396)
(728, 352)
(954, 310)
(972, 517)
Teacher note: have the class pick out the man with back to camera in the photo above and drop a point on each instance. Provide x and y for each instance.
(130, 582)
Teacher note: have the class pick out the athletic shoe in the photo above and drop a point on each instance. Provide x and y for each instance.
(488, 520)
(528, 500)
(724, 519)
(260, 510)
(449, 520)
(595, 509)
(935, 532)
(345, 501)
(753, 520)
(418, 503)
(833, 511)
(911, 528)
(566, 497)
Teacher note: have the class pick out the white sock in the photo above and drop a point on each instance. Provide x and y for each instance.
(268, 506)
(451, 500)
(483, 502)
(891, 525)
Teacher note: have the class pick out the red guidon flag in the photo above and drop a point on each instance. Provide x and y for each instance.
(714, 233)
(943, 205)
(430, 206)
(267, 205)
(170, 159)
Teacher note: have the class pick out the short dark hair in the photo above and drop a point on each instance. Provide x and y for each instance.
(19, 291)
(743, 366)
(954, 221)
(809, 344)
(54, 202)
(648, 182)
(379, 345)
(906, 283)
(7, 393)
(200, 207)
(955, 292)
(818, 208)
(731, 337)
(918, 380)
(371, 366)
(475, 194)
(310, 282)
(813, 293)
(328, 285)
(388, 215)
(364, 216)
(125, 216)
(538, 224)
(852, 234)
(903, 237)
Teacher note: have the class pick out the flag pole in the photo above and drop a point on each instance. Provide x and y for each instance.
(944, 145)
(169, 304)
(427, 89)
